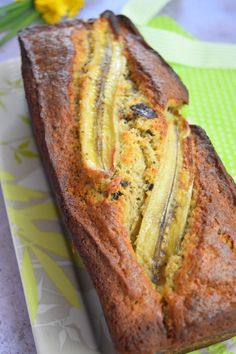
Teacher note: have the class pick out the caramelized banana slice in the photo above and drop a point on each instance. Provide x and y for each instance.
(108, 137)
(165, 217)
(181, 210)
(88, 110)
(99, 107)
(172, 231)
(158, 204)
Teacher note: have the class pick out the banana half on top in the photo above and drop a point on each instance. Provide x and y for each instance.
(143, 194)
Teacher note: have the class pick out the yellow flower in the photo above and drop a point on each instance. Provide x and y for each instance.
(74, 6)
(53, 10)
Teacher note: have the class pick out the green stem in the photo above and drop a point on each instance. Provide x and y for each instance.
(15, 5)
(26, 21)
(8, 21)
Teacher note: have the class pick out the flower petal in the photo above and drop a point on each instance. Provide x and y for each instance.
(52, 11)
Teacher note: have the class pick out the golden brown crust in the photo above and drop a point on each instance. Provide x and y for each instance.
(158, 79)
(200, 308)
(162, 85)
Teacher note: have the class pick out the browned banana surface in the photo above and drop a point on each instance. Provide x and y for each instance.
(98, 106)
(165, 215)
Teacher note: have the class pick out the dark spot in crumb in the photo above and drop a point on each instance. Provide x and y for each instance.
(124, 183)
(149, 132)
(116, 195)
(150, 187)
(141, 109)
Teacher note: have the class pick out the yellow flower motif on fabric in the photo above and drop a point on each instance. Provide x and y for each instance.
(53, 10)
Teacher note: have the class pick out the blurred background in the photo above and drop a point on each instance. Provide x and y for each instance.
(210, 20)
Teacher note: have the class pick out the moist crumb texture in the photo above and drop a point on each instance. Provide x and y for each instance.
(143, 194)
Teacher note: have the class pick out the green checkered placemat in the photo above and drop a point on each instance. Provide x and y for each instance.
(212, 98)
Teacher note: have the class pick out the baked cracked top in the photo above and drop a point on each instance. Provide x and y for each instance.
(135, 150)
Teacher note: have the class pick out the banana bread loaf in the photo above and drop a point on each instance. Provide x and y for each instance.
(143, 194)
